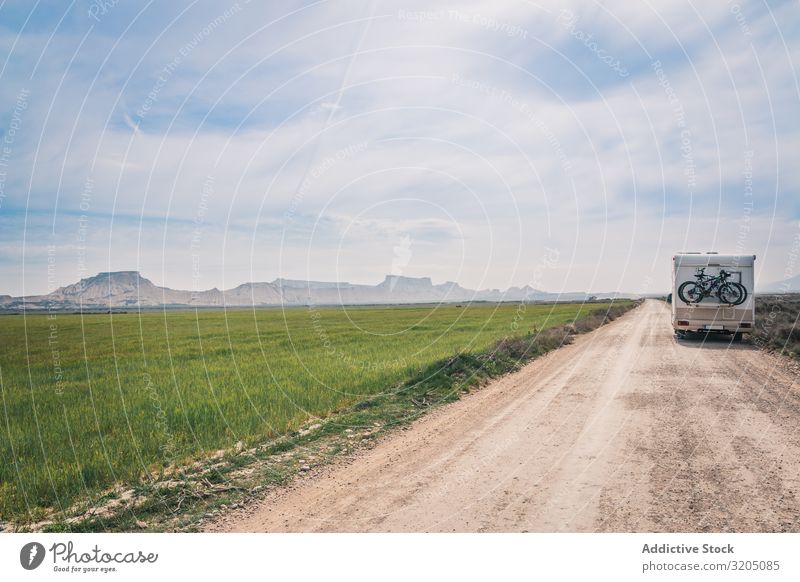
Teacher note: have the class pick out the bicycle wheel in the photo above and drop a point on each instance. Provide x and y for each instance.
(690, 292)
(730, 294)
(743, 291)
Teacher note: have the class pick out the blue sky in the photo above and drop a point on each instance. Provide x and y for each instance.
(211, 143)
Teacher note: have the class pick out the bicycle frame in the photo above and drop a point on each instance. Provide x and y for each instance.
(710, 283)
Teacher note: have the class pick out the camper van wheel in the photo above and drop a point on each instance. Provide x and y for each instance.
(680, 335)
(737, 337)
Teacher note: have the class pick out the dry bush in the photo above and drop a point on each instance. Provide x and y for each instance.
(777, 323)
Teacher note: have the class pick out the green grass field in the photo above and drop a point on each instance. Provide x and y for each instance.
(90, 401)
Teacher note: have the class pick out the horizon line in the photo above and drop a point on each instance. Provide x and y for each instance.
(273, 281)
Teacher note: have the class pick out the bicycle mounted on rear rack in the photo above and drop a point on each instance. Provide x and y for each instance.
(727, 292)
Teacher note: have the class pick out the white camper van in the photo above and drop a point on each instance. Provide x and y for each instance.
(713, 293)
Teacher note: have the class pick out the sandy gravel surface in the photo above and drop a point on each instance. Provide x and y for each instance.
(624, 430)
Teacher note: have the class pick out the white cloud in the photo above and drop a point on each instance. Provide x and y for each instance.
(508, 132)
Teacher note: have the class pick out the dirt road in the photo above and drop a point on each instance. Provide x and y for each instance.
(624, 430)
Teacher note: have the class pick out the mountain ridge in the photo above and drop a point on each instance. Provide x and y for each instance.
(787, 285)
(129, 289)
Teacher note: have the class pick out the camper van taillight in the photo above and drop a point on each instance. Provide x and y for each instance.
(683, 322)
(744, 324)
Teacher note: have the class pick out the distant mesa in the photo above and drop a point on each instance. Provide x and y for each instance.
(789, 285)
(120, 289)
(410, 282)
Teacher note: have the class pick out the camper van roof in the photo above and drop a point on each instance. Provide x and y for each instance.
(713, 258)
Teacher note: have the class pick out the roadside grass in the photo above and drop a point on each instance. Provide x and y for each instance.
(154, 419)
(776, 325)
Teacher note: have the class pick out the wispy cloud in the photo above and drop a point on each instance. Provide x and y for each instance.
(482, 131)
